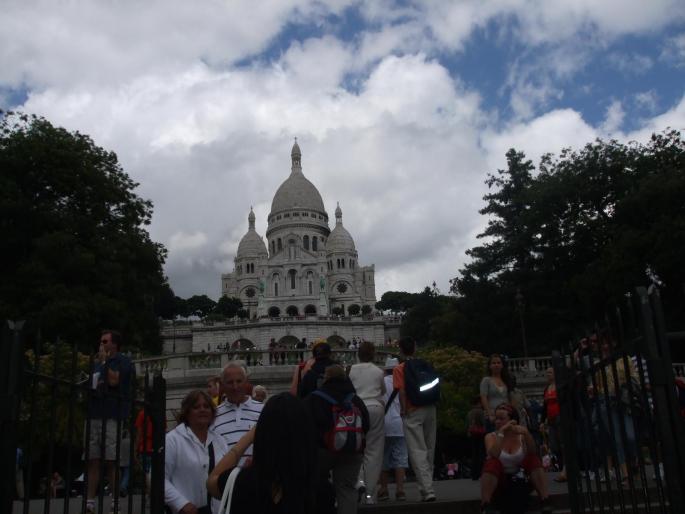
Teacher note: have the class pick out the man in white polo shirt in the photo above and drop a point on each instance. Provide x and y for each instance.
(238, 413)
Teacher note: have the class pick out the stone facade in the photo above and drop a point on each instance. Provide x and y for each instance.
(305, 268)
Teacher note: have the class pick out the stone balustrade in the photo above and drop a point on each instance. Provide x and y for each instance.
(252, 358)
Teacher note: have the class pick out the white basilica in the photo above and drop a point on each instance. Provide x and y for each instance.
(304, 269)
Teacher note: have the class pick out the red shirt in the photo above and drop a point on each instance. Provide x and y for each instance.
(551, 403)
(398, 383)
(144, 441)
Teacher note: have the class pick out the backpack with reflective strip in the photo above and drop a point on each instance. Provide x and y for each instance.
(421, 382)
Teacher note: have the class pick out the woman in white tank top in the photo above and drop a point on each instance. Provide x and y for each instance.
(509, 449)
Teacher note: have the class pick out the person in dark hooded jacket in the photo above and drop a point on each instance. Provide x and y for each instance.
(314, 375)
(344, 466)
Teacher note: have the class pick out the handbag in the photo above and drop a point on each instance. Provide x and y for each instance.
(227, 496)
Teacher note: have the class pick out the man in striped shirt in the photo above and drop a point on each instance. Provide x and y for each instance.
(238, 412)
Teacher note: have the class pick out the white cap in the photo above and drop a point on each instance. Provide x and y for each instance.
(391, 362)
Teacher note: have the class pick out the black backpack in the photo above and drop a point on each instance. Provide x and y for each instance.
(421, 382)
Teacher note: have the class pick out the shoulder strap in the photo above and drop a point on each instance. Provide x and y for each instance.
(325, 396)
(391, 399)
(209, 471)
(225, 505)
(348, 399)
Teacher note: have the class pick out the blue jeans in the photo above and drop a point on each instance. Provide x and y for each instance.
(616, 436)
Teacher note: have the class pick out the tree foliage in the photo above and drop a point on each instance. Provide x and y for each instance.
(52, 403)
(460, 373)
(575, 236)
(76, 255)
(228, 306)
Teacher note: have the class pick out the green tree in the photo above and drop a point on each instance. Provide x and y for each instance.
(55, 362)
(460, 373)
(574, 238)
(228, 306)
(76, 255)
(396, 301)
(200, 305)
(366, 310)
(354, 309)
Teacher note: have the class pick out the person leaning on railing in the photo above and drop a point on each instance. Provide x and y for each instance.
(608, 394)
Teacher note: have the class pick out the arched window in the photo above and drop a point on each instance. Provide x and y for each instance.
(293, 276)
(275, 288)
(305, 242)
(314, 243)
(280, 244)
(273, 247)
(310, 287)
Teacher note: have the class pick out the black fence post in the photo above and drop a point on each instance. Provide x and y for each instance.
(10, 381)
(158, 408)
(663, 394)
(565, 385)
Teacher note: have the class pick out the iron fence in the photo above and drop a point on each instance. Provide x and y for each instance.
(622, 430)
(47, 422)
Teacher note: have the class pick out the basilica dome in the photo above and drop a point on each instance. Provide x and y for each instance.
(340, 239)
(297, 192)
(251, 245)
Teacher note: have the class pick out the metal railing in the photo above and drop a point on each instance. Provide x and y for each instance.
(47, 416)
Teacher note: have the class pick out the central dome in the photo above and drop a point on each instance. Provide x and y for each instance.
(296, 192)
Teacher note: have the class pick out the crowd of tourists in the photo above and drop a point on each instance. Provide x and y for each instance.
(341, 434)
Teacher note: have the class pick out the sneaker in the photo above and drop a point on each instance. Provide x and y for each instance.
(430, 497)
(361, 490)
(383, 496)
(90, 507)
(661, 471)
(368, 500)
(400, 496)
(545, 507)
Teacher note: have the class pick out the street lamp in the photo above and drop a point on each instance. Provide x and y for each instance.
(520, 304)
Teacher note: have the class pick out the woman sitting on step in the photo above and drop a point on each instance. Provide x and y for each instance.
(511, 466)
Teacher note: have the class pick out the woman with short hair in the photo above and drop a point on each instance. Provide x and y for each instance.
(190, 453)
(368, 381)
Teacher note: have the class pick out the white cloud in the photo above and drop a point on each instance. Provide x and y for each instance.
(614, 118)
(180, 241)
(630, 64)
(647, 100)
(673, 51)
(405, 150)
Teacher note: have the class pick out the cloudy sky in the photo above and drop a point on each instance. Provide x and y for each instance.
(401, 108)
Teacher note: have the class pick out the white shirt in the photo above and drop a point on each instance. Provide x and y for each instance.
(367, 379)
(186, 467)
(233, 421)
(393, 420)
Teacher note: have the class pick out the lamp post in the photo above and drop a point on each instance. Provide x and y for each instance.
(520, 304)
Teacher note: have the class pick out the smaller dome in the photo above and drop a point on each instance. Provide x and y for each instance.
(295, 152)
(340, 239)
(252, 244)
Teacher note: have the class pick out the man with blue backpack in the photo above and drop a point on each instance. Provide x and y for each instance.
(419, 390)
(341, 421)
